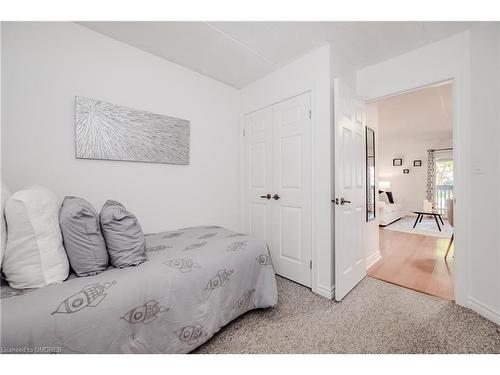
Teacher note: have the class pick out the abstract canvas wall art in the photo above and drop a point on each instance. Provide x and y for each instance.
(107, 131)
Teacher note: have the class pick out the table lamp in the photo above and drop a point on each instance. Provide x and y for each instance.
(384, 185)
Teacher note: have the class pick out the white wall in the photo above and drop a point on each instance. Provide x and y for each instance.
(44, 65)
(484, 258)
(471, 59)
(408, 189)
(309, 73)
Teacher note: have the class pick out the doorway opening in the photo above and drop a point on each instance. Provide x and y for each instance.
(414, 176)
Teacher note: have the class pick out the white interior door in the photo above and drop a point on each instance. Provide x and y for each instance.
(350, 262)
(258, 169)
(290, 243)
(278, 163)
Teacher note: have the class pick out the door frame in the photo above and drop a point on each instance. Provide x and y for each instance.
(243, 180)
(462, 162)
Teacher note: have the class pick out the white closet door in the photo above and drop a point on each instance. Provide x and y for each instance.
(290, 237)
(350, 262)
(258, 172)
(278, 184)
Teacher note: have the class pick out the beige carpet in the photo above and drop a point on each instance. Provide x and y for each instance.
(376, 317)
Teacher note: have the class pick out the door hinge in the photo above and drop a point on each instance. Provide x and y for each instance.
(309, 113)
(244, 132)
(311, 264)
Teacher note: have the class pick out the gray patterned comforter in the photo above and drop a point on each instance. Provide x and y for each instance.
(195, 281)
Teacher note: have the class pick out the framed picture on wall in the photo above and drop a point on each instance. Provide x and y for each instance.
(397, 162)
(417, 163)
(406, 171)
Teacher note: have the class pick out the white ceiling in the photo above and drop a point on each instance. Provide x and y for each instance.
(424, 114)
(238, 53)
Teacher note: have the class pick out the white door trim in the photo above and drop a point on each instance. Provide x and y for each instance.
(243, 177)
(457, 71)
(461, 156)
(324, 291)
(278, 102)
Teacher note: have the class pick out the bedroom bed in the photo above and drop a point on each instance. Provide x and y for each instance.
(195, 281)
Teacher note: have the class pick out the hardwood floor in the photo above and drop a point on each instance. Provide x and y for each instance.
(416, 262)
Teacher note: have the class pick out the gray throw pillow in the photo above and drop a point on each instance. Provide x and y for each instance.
(82, 237)
(123, 235)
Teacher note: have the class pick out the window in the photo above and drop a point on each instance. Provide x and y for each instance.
(444, 183)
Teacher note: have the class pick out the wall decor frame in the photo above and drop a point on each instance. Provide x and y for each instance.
(406, 171)
(106, 131)
(417, 163)
(398, 162)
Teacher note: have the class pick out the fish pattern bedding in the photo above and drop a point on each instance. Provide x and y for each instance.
(195, 281)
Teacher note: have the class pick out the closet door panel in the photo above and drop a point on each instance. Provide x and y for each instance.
(291, 212)
(258, 172)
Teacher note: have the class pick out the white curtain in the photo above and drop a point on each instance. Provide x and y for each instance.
(431, 175)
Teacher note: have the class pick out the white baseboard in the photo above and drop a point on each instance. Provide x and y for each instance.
(372, 259)
(325, 292)
(483, 310)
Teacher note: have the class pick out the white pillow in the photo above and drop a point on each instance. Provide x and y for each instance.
(5, 195)
(35, 255)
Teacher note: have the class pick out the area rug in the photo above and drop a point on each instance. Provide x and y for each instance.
(427, 227)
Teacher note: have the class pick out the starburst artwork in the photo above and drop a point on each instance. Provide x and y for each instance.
(107, 131)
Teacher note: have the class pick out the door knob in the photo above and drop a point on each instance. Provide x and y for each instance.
(343, 201)
(267, 196)
(276, 197)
